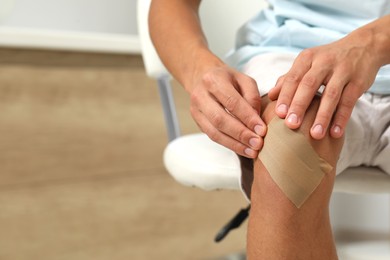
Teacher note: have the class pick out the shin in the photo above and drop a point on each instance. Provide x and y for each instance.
(277, 228)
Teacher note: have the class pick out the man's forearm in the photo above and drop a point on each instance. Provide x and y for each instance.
(177, 35)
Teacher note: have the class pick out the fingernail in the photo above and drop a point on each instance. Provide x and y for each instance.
(254, 142)
(249, 152)
(292, 119)
(337, 130)
(260, 130)
(318, 129)
(282, 109)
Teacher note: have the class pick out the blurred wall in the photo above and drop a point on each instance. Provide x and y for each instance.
(76, 25)
(214, 13)
(107, 16)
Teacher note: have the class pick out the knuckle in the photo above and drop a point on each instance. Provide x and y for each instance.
(249, 80)
(307, 54)
(280, 80)
(332, 93)
(255, 101)
(359, 83)
(309, 82)
(238, 147)
(231, 103)
(292, 77)
(252, 81)
(299, 106)
(213, 134)
(324, 117)
(344, 68)
(327, 58)
(285, 97)
(217, 120)
(194, 98)
(246, 119)
(342, 115)
(193, 111)
(209, 79)
(348, 102)
(251, 121)
(241, 135)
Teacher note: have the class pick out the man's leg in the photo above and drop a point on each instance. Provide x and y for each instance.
(277, 229)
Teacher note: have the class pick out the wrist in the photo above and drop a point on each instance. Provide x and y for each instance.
(377, 35)
(382, 46)
(201, 61)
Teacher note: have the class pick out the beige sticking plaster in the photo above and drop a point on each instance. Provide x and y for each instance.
(292, 162)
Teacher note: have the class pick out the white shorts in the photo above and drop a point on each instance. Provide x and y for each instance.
(367, 136)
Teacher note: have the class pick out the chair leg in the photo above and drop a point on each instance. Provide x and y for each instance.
(168, 105)
(234, 223)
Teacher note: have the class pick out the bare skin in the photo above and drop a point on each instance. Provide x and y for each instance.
(214, 87)
(226, 106)
(279, 230)
(347, 67)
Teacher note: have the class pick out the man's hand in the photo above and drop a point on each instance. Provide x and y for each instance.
(226, 106)
(347, 68)
(224, 103)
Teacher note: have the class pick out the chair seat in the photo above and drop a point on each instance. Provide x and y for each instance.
(195, 160)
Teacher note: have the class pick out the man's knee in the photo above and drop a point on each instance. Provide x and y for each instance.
(302, 160)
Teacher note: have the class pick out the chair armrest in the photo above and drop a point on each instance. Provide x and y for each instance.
(153, 65)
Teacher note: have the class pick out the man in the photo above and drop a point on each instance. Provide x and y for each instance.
(282, 60)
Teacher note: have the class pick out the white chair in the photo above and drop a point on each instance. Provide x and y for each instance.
(210, 166)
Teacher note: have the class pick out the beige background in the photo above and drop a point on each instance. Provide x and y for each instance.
(81, 173)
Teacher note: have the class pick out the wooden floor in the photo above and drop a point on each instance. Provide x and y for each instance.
(81, 172)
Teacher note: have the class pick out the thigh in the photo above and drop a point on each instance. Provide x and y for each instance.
(381, 130)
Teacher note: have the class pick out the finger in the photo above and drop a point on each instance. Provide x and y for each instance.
(291, 81)
(344, 110)
(227, 124)
(304, 95)
(249, 91)
(241, 109)
(274, 92)
(329, 102)
(223, 139)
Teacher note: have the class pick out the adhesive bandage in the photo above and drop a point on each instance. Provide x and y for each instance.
(292, 162)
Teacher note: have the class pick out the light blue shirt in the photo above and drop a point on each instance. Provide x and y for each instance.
(293, 25)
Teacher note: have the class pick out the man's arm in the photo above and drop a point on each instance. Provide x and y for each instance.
(224, 102)
(179, 40)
